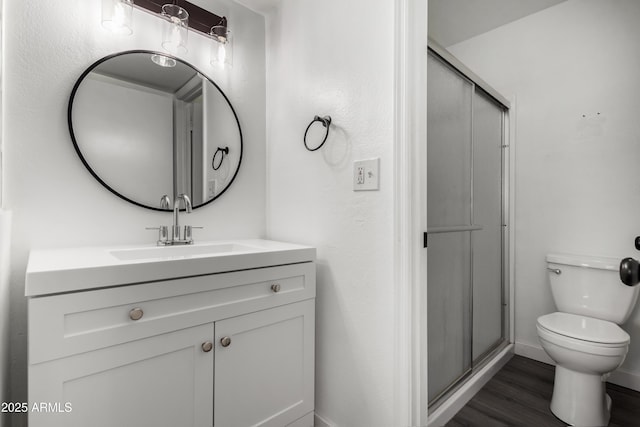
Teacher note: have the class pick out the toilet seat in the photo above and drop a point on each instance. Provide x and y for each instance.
(597, 331)
(567, 330)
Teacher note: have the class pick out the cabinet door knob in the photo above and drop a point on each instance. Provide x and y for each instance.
(207, 346)
(136, 313)
(275, 287)
(225, 341)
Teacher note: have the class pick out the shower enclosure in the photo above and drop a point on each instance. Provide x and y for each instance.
(466, 236)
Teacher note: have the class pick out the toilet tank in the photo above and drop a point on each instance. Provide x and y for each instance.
(590, 286)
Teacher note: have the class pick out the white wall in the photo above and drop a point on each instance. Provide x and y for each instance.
(54, 199)
(134, 156)
(573, 69)
(330, 58)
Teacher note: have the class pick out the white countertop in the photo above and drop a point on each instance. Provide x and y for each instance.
(68, 270)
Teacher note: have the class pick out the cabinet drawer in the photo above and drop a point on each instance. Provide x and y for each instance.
(62, 325)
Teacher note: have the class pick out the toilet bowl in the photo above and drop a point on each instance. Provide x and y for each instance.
(585, 350)
(583, 337)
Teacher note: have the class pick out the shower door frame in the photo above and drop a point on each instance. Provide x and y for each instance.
(507, 209)
(410, 382)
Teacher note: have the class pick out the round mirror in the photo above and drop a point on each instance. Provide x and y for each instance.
(147, 124)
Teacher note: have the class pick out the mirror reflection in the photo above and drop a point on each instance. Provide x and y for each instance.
(144, 130)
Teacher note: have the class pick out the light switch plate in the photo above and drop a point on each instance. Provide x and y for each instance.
(211, 188)
(366, 175)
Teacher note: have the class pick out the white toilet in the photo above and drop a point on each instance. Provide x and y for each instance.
(583, 337)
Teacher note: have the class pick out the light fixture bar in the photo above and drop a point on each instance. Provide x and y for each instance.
(200, 20)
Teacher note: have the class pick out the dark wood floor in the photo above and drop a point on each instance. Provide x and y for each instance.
(520, 393)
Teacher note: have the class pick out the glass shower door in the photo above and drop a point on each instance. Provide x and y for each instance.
(449, 222)
(464, 221)
(488, 293)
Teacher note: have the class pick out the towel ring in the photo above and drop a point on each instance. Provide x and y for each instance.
(326, 121)
(223, 151)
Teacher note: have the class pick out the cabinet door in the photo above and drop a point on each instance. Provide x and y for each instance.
(164, 380)
(264, 367)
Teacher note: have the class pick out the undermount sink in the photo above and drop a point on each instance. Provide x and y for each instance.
(173, 252)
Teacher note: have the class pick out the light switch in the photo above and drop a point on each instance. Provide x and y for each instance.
(366, 175)
(211, 188)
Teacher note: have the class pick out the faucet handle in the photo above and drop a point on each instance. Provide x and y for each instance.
(188, 235)
(163, 234)
(165, 202)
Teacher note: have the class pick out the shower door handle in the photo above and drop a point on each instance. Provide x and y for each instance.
(454, 228)
(448, 229)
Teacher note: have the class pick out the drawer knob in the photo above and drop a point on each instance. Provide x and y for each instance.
(136, 313)
(207, 346)
(275, 287)
(225, 341)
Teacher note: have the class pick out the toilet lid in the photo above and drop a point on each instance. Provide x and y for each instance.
(584, 328)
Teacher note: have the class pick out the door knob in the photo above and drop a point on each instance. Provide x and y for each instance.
(637, 242)
(629, 271)
(275, 287)
(225, 341)
(207, 346)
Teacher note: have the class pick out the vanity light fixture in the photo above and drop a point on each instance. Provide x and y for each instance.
(175, 29)
(116, 16)
(222, 46)
(180, 16)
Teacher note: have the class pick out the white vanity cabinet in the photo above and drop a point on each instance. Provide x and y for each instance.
(163, 380)
(262, 376)
(227, 349)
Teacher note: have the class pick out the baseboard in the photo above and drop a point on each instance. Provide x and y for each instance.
(306, 421)
(620, 377)
(448, 409)
(625, 379)
(322, 422)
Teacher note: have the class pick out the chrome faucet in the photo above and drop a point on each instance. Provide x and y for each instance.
(176, 239)
(186, 240)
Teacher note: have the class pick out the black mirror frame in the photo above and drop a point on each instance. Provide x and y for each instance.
(86, 163)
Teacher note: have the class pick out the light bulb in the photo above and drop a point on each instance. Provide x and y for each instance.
(222, 54)
(116, 16)
(221, 46)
